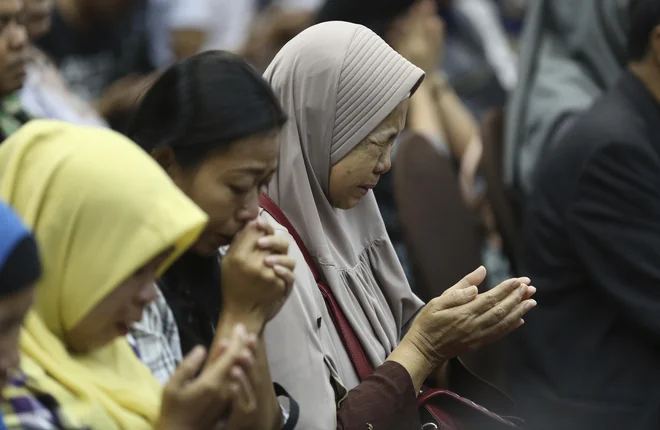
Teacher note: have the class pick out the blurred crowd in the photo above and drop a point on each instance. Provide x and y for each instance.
(305, 189)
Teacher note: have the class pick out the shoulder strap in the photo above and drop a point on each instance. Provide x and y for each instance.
(348, 337)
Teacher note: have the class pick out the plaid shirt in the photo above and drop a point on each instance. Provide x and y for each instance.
(26, 406)
(156, 338)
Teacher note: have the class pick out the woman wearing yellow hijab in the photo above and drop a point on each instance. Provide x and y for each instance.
(108, 221)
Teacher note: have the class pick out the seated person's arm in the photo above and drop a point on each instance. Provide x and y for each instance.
(614, 224)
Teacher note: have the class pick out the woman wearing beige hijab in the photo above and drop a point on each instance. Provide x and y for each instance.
(346, 94)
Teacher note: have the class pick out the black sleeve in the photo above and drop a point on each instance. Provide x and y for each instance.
(614, 223)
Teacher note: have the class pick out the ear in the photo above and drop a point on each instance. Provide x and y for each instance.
(165, 157)
(655, 44)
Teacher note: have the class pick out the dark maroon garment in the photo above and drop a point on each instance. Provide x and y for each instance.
(385, 400)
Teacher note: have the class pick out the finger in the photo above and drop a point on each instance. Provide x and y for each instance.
(488, 300)
(238, 375)
(280, 260)
(530, 292)
(285, 275)
(217, 370)
(252, 342)
(456, 297)
(524, 280)
(474, 278)
(265, 226)
(245, 359)
(189, 367)
(502, 309)
(510, 323)
(220, 348)
(245, 239)
(274, 243)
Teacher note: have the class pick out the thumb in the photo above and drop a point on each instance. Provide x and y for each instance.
(475, 278)
(189, 367)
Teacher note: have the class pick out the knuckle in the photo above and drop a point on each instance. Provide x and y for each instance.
(438, 302)
(491, 300)
(500, 312)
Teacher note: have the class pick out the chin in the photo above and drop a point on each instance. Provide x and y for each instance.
(207, 247)
(349, 203)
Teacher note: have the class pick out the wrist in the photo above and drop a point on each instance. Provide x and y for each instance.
(253, 321)
(418, 364)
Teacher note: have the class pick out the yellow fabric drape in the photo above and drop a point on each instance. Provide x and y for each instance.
(100, 208)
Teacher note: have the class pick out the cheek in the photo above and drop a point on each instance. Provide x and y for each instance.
(216, 199)
(9, 343)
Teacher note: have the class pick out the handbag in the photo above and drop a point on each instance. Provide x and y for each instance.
(439, 408)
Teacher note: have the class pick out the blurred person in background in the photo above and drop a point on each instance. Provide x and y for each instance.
(588, 358)
(102, 49)
(571, 51)
(46, 93)
(14, 45)
(256, 29)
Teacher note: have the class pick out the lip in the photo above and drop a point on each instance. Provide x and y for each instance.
(364, 189)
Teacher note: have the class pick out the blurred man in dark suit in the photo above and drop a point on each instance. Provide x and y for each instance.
(589, 357)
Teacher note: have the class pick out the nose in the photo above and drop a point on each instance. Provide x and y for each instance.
(147, 294)
(250, 209)
(18, 37)
(384, 163)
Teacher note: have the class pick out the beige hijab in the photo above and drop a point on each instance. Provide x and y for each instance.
(337, 82)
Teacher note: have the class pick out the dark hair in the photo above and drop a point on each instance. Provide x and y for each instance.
(205, 103)
(644, 17)
(197, 106)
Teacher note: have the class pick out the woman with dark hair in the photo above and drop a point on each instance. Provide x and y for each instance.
(213, 124)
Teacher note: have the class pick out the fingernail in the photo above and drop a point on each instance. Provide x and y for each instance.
(530, 304)
(262, 241)
(531, 289)
(270, 259)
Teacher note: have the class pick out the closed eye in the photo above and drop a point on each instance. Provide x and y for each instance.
(239, 191)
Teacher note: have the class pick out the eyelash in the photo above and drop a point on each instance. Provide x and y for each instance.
(238, 191)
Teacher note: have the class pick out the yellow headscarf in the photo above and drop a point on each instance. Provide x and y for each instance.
(100, 209)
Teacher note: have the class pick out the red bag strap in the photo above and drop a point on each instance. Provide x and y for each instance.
(348, 337)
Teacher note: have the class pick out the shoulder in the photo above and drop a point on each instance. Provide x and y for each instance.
(304, 277)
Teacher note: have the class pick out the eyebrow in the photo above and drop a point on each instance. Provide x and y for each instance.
(254, 170)
(386, 135)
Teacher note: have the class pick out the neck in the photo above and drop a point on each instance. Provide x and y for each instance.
(649, 74)
(72, 13)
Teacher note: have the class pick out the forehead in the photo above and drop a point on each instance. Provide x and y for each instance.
(258, 151)
(10, 7)
(393, 123)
